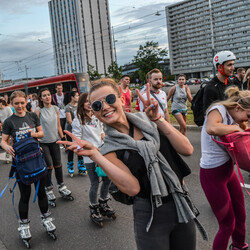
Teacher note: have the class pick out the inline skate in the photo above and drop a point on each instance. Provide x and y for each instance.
(48, 225)
(65, 192)
(95, 215)
(106, 210)
(245, 247)
(70, 166)
(24, 231)
(81, 168)
(50, 195)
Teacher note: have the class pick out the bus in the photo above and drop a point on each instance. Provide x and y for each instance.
(69, 81)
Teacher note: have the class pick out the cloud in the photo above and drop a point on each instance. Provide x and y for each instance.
(20, 7)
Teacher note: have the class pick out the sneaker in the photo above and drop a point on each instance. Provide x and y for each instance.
(245, 247)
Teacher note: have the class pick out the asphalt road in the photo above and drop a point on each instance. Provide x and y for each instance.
(74, 227)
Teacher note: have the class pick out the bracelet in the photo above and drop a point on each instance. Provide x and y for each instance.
(156, 119)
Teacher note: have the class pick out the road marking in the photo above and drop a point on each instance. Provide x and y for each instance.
(246, 185)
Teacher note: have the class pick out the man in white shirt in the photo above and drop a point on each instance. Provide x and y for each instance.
(155, 80)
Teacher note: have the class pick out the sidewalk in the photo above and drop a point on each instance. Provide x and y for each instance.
(2, 246)
(189, 127)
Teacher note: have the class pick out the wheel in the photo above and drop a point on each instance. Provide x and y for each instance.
(101, 224)
(52, 204)
(114, 216)
(71, 198)
(52, 235)
(27, 244)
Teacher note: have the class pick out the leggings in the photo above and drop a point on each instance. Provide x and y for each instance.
(165, 233)
(52, 155)
(94, 184)
(224, 193)
(71, 153)
(25, 191)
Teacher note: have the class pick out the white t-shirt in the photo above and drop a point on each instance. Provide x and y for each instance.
(90, 132)
(5, 113)
(162, 98)
(60, 105)
(212, 154)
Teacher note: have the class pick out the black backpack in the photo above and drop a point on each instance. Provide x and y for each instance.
(197, 106)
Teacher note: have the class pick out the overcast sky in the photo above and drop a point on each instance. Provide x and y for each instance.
(25, 33)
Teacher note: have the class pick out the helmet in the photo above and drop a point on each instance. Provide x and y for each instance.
(222, 57)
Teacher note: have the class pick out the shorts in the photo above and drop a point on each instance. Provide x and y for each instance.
(179, 111)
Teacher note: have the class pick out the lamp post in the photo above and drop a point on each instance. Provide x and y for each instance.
(212, 31)
(114, 41)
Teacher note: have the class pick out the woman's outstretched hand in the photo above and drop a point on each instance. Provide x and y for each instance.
(80, 147)
(151, 105)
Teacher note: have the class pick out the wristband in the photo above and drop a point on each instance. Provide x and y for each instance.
(156, 119)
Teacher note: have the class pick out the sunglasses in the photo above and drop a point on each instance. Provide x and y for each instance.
(109, 99)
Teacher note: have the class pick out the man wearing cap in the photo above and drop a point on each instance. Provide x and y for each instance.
(214, 90)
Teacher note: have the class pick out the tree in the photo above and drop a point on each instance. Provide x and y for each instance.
(114, 71)
(93, 74)
(147, 58)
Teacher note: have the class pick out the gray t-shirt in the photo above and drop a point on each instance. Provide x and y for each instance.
(179, 98)
(48, 120)
(5, 113)
(72, 110)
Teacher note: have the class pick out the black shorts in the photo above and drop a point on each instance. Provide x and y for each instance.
(52, 154)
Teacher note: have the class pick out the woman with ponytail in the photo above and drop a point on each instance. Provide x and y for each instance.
(218, 178)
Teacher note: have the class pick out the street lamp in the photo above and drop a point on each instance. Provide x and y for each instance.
(114, 41)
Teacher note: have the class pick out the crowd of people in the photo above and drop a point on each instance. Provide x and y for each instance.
(137, 153)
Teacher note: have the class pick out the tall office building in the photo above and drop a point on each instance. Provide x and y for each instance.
(81, 35)
(196, 27)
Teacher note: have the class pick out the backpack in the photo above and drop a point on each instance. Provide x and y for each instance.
(197, 106)
(29, 160)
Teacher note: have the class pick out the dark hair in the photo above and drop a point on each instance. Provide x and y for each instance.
(104, 82)
(239, 70)
(2, 100)
(40, 102)
(59, 84)
(125, 76)
(67, 97)
(181, 75)
(80, 112)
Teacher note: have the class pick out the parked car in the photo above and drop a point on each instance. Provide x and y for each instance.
(168, 84)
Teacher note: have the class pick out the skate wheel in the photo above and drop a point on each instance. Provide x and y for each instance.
(26, 243)
(101, 224)
(52, 235)
(71, 198)
(114, 216)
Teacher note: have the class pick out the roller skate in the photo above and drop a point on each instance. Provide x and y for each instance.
(106, 210)
(24, 231)
(245, 247)
(81, 168)
(95, 215)
(70, 166)
(48, 225)
(65, 192)
(50, 195)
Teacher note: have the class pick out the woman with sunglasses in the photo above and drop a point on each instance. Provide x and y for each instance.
(87, 127)
(162, 217)
(50, 121)
(217, 175)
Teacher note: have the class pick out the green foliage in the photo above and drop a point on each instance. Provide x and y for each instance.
(114, 71)
(93, 74)
(147, 58)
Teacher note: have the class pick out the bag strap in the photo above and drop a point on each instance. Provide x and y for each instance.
(153, 94)
(230, 147)
(37, 188)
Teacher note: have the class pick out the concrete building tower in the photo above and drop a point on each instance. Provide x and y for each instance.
(81, 35)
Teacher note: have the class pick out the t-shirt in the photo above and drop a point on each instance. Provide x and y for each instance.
(34, 104)
(212, 154)
(72, 110)
(162, 98)
(5, 113)
(48, 119)
(127, 97)
(60, 105)
(90, 132)
(17, 126)
(179, 98)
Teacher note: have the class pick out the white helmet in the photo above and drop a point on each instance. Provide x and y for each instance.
(222, 57)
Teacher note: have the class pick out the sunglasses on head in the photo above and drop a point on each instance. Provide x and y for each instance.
(109, 99)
